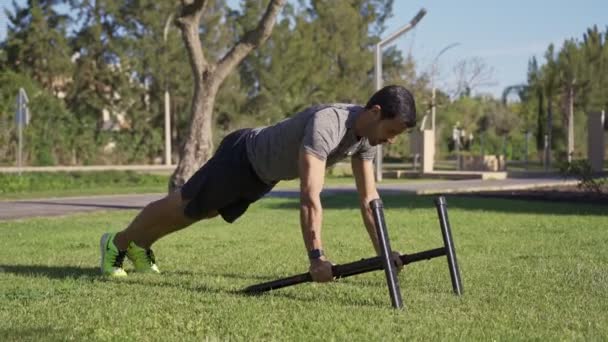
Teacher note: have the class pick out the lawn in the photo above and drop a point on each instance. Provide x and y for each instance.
(531, 271)
(66, 184)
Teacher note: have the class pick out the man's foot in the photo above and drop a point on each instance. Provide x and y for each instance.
(142, 259)
(111, 257)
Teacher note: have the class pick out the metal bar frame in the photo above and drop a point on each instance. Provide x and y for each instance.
(380, 262)
(344, 270)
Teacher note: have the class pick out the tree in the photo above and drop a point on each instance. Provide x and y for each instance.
(402, 71)
(550, 79)
(594, 95)
(521, 90)
(575, 77)
(536, 94)
(50, 135)
(471, 74)
(102, 79)
(36, 44)
(569, 63)
(149, 42)
(319, 52)
(208, 77)
(276, 88)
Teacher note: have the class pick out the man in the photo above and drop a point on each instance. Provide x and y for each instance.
(249, 162)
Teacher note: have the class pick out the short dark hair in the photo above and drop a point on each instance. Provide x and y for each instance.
(395, 101)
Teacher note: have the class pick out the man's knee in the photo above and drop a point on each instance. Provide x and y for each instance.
(180, 204)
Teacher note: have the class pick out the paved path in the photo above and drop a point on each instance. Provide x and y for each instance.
(61, 206)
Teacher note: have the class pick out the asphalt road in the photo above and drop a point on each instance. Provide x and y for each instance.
(17, 209)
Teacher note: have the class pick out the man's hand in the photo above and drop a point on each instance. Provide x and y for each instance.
(397, 260)
(320, 271)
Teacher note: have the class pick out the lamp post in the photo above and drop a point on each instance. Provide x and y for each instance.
(167, 99)
(378, 73)
(433, 88)
(22, 118)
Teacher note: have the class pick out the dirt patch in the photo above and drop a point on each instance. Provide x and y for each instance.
(572, 194)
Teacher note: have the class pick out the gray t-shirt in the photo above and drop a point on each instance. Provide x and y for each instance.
(327, 131)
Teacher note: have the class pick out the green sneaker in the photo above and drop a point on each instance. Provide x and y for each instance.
(142, 259)
(111, 257)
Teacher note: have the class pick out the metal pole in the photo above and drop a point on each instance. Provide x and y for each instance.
(448, 242)
(167, 127)
(378, 84)
(433, 99)
(546, 153)
(570, 122)
(167, 99)
(404, 28)
(433, 106)
(20, 118)
(390, 270)
(457, 148)
(526, 150)
(378, 73)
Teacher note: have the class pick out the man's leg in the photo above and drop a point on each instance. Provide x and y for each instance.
(156, 220)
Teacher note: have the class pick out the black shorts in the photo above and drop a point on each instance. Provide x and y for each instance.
(226, 183)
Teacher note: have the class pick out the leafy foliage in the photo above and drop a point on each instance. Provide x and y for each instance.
(52, 136)
(105, 67)
(41, 181)
(588, 179)
(576, 68)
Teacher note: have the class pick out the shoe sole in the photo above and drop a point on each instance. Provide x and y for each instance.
(102, 247)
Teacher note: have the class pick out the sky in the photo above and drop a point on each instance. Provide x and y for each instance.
(504, 34)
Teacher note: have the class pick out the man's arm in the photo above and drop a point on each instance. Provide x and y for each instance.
(366, 186)
(312, 176)
(363, 170)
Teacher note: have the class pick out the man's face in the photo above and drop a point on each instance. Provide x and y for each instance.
(386, 131)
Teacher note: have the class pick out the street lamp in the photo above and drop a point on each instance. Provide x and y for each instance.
(378, 73)
(167, 99)
(433, 91)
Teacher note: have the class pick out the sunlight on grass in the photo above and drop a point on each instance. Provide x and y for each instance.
(530, 271)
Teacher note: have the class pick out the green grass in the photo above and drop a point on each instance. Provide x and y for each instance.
(65, 184)
(531, 271)
(61, 184)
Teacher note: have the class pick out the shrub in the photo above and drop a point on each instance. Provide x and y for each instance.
(581, 170)
(48, 181)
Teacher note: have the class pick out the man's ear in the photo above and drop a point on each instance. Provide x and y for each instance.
(376, 111)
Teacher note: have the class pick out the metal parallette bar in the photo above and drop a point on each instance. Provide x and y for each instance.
(390, 270)
(448, 242)
(344, 270)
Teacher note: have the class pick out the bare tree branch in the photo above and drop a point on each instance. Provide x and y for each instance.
(208, 77)
(188, 22)
(471, 74)
(250, 40)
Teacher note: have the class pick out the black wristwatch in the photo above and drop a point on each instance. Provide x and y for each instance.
(315, 254)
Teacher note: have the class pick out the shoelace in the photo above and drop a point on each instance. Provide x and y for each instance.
(119, 259)
(150, 256)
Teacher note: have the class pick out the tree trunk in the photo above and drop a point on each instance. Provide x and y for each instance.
(208, 77)
(540, 128)
(198, 146)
